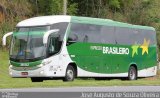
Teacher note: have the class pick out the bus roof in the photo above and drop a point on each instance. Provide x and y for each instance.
(44, 20)
(48, 20)
(107, 22)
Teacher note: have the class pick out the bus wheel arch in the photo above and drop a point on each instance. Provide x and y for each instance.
(132, 72)
(71, 72)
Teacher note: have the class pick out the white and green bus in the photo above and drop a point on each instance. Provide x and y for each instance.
(70, 46)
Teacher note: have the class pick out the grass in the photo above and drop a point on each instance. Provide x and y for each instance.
(7, 82)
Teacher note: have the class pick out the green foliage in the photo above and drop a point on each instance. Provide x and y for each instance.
(4, 28)
(49, 7)
(141, 12)
(13, 11)
(72, 9)
(55, 7)
(114, 3)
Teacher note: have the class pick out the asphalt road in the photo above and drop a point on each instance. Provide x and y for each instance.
(88, 89)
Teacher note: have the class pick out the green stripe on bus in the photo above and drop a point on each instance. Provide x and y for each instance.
(41, 33)
(30, 64)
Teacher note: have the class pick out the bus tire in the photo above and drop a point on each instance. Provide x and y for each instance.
(70, 74)
(132, 73)
(35, 79)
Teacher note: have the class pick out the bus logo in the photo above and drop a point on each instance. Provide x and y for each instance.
(24, 64)
(115, 50)
(144, 47)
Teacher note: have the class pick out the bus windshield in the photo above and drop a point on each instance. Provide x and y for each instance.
(27, 43)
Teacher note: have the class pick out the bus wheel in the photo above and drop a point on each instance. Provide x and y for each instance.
(35, 79)
(132, 73)
(70, 74)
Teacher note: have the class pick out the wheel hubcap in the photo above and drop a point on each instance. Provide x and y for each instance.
(132, 74)
(70, 74)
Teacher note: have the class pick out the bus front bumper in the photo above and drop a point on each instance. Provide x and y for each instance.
(38, 72)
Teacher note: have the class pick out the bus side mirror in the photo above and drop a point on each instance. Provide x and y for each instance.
(72, 39)
(46, 35)
(69, 42)
(5, 37)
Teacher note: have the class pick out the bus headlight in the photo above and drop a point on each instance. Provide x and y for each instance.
(10, 66)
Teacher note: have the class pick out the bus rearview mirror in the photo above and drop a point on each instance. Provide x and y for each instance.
(46, 35)
(5, 37)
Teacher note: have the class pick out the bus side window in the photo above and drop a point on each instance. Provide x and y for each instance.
(53, 46)
(107, 35)
(76, 33)
(122, 35)
(62, 26)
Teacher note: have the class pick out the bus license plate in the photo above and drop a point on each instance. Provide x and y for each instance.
(24, 73)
